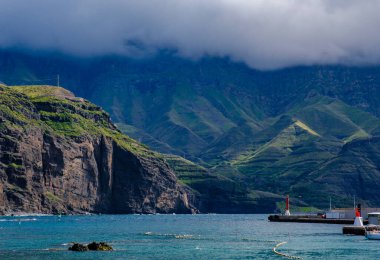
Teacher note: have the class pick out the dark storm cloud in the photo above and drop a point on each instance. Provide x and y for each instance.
(265, 34)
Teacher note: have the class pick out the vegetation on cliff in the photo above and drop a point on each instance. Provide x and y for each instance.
(62, 154)
(61, 113)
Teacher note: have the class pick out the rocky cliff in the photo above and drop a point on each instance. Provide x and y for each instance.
(62, 154)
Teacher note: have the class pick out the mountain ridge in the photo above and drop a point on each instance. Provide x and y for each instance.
(215, 112)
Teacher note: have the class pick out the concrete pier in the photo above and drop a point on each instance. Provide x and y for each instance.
(357, 230)
(310, 219)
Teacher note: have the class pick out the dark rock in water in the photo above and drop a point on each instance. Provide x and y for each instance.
(102, 246)
(78, 247)
(94, 246)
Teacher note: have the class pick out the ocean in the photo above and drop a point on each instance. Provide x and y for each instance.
(177, 237)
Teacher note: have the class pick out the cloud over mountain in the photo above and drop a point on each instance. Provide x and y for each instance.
(265, 34)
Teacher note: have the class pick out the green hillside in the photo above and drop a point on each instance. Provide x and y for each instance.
(55, 107)
(289, 131)
(62, 114)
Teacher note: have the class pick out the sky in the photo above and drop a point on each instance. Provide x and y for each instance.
(264, 34)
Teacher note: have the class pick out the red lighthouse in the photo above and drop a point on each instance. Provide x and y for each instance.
(287, 211)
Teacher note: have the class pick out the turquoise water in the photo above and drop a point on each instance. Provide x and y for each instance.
(177, 237)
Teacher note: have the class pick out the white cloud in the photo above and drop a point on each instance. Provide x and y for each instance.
(265, 34)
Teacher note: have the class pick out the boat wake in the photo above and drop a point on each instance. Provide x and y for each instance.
(176, 236)
(282, 254)
(18, 220)
(260, 240)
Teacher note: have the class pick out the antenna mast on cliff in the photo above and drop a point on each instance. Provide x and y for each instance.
(57, 80)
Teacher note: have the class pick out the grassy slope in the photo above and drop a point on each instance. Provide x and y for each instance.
(221, 194)
(177, 102)
(61, 113)
(297, 155)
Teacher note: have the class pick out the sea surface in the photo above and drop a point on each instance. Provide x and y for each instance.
(177, 237)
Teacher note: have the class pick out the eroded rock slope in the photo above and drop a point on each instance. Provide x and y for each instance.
(62, 154)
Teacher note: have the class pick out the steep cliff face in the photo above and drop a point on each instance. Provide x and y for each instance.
(62, 154)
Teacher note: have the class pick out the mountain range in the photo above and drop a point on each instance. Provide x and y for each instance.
(238, 137)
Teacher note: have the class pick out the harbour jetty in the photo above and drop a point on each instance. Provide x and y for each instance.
(311, 219)
(354, 226)
(350, 217)
(358, 230)
(327, 218)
